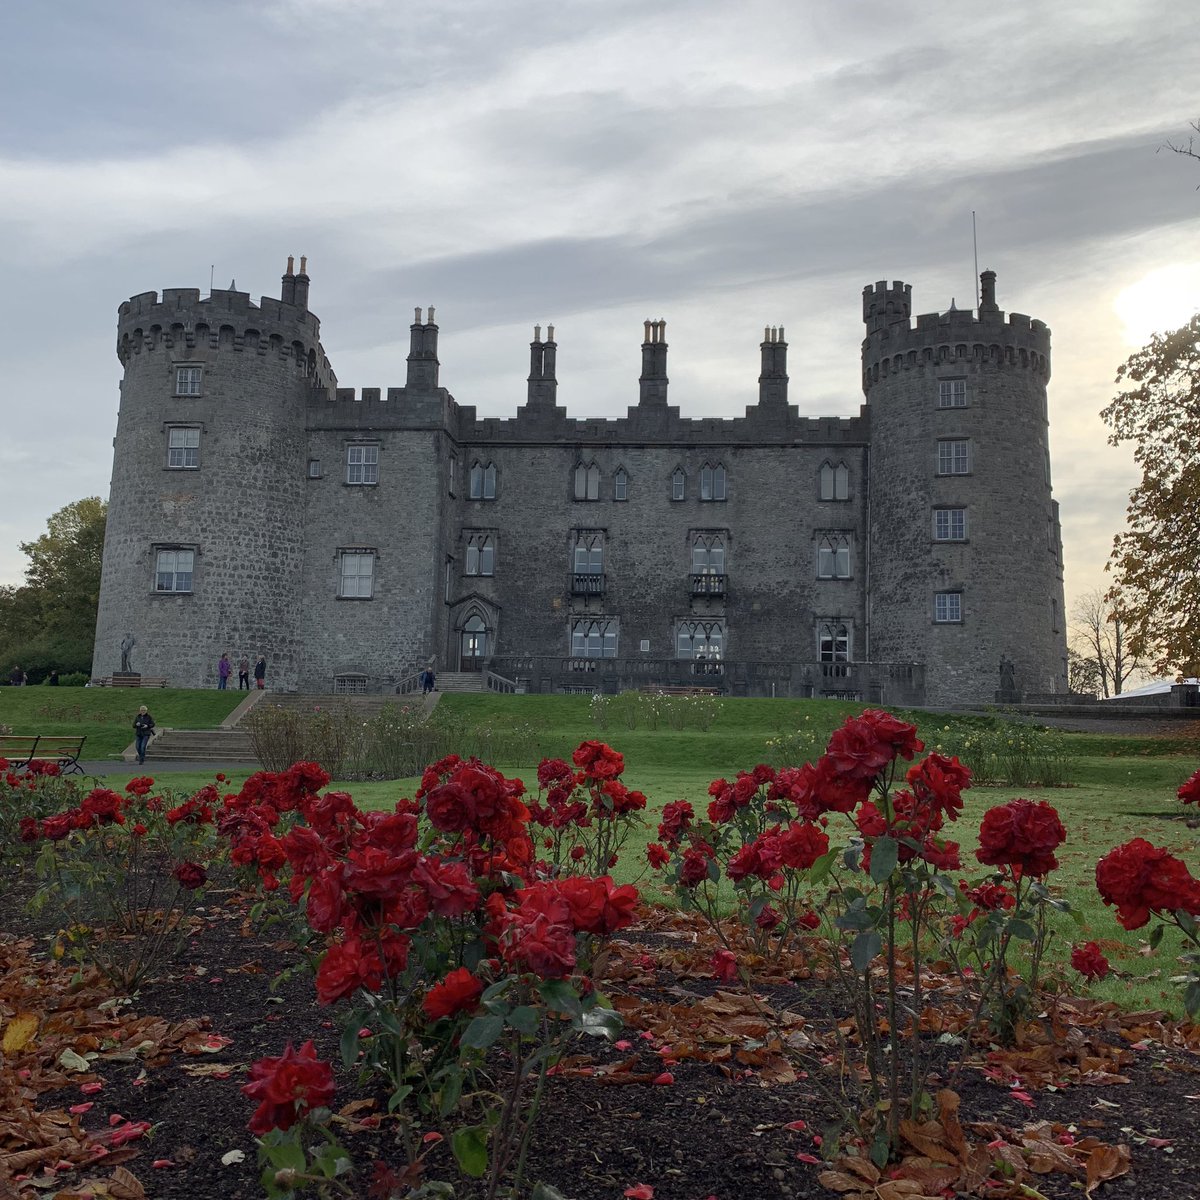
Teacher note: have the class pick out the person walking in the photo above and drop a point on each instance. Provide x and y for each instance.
(243, 673)
(143, 731)
(224, 669)
(430, 681)
(16, 677)
(260, 672)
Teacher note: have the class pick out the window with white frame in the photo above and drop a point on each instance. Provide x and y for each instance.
(587, 481)
(678, 484)
(954, 456)
(588, 556)
(833, 640)
(173, 570)
(620, 485)
(481, 554)
(482, 484)
(833, 554)
(700, 640)
(708, 554)
(949, 524)
(183, 447)
(947, 608)
(314, 468)
(952, 393)
(362, 464)
(594, 637)
(187, 380)
(835, 481)
(357, 574)
(712, 482)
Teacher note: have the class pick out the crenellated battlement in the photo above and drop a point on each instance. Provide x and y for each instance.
(181, 323)
(895, 343)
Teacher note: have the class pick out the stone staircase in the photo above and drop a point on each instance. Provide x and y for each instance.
(198, 745)
(460, 681)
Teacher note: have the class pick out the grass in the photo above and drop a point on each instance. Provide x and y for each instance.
(106, 715)
(1122, 787)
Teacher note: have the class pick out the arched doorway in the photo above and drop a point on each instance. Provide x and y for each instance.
(473, 644)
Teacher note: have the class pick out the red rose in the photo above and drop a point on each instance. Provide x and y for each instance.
(287, 1086)
(801, 844)
(1022, 835)
(676, 817)
(451, 890)
(1140, 879)
(57, 827)
(1089, 961)
(29, 829)
(596, 906)
(940, 782)
(656, 856)
(346, 967)
(190, 875)
(459, 991)
(598, 761)
(815, 789)
(553, 772)
(868, 743)
(448, 808)
(377, 874)
(139, 786)
(693, 870)
(991, 896)
(1189, 792)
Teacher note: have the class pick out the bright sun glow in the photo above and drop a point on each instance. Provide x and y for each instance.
(1163, 300)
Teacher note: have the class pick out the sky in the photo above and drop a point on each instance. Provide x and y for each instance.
(592, 164)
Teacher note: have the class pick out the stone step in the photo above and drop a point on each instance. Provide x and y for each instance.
(461, 681)
(199, 745)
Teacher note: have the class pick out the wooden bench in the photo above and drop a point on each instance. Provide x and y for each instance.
(19, 750)
(146, 681)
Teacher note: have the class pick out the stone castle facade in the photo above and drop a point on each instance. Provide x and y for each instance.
(909, 554)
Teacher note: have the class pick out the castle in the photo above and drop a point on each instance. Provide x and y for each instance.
(910, 554)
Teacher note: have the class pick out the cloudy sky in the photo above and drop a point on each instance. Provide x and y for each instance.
(591, 163)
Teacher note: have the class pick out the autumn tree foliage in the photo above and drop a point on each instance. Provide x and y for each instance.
(1154, 559)
(1104, 662)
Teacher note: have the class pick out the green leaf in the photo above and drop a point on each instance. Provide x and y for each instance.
(1156, 936)
(470, 1149)
(866, 946)
(349, 1042)
(1191, 997)
(451, 1093)
(399, 1096)
(885, 852)
(483, 1031)
(496, 989)
(820, 870)
(1021, 929)
(560, 996)
(602, 1022)
(525, 1019)
(881, 1147)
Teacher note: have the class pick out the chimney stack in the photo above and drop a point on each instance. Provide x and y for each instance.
(288, 292)
(543, 385)
(301, 300)
(987, 292)
(773, 382)
(423, 354)
(653, 381)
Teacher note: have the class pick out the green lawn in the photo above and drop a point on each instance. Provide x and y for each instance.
(1121, 787)
(106, 715)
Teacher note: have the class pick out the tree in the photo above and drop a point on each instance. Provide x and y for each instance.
(1083, 676)
(50, 621)
(1154, 561)
(1101, 645)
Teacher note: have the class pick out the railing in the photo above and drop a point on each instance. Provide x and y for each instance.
(410, 683)
(497, 683)
(587, 583)
(875, 683)
(708, 585)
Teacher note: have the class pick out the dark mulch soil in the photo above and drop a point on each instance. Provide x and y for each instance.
(713, 1132)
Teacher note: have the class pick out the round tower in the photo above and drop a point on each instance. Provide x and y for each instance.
(964, 543)
(204, 546)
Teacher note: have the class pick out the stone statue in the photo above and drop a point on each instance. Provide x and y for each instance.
(1008, 682)
(127, 645)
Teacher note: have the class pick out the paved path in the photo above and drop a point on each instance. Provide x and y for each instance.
(166, 766)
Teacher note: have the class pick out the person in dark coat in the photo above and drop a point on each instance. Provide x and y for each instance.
(260, 672)
(143, 731)
(243, 673)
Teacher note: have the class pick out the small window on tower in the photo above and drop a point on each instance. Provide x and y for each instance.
(952, 393)
(314, 468)
(187, 380)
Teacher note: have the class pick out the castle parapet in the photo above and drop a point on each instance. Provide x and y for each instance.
(894, 343)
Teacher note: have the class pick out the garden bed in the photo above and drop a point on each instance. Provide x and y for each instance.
(718, 1128)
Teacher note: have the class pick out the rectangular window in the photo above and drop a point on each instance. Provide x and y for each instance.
(183, 448)
(833, 556)
(452, 475)
(835, 481)
(833, 641)
(593, 638)
(949, 524)
(187, 380)
(481, 555)
(954, 456)
(678, 485)
(362, 464)
(173, 570)
(314, 468)
(357, 574)
(620, 486)
(952, 393)
(947, 608)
